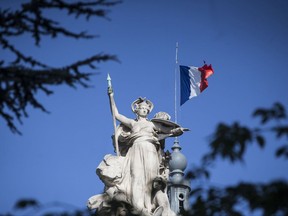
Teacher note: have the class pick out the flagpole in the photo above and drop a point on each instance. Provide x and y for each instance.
(175, 84)
(176, 143)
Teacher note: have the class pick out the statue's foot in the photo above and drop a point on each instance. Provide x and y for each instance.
(95, 201)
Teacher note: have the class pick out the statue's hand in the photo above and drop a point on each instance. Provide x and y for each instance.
(110, 91)
(177, 131)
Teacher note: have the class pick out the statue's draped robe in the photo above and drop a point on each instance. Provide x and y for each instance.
(136, 168)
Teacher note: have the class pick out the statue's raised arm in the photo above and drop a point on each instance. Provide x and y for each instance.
(123, 119)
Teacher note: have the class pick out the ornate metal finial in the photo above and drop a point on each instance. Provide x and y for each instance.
(179, 188)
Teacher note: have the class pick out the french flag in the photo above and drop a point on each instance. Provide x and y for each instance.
(193, 81)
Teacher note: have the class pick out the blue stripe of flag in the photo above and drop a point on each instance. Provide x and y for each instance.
(185, 90)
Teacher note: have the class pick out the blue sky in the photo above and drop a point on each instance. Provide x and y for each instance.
(245, 41)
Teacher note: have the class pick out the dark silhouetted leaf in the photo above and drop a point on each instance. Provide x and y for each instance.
(24, 203)
(281, 131)
(282, 152)
(260, 140)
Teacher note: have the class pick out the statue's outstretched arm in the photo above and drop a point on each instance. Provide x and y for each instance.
(165, 131)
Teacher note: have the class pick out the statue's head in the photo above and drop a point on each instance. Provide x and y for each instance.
(159, 183)
(142, 103)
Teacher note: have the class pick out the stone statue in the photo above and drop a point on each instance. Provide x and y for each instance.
(128, 177)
